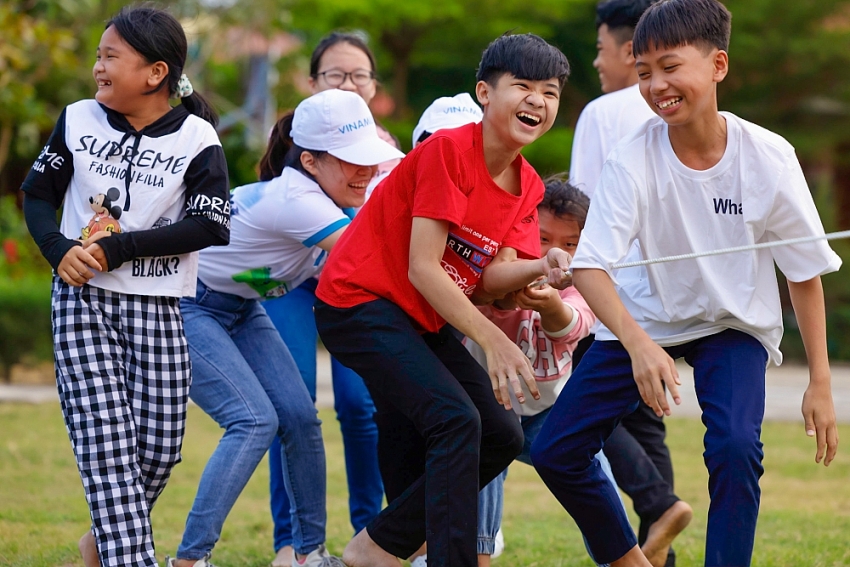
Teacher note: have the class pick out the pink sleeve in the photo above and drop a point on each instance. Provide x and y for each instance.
(581, 327)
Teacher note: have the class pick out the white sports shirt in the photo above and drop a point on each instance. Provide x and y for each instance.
(275, 227)
(755, 193)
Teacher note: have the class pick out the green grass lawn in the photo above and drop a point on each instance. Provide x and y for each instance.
(805, 514)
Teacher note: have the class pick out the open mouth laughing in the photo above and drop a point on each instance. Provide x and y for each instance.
(668, 103)
(528, 119)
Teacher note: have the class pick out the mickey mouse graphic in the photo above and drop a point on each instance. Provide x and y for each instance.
(106, 214)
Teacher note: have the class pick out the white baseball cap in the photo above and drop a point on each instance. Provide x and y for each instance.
(339, 122)
(448, 112)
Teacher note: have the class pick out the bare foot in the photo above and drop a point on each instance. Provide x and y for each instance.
(664, 531)
(362, 551)
(88, 549)
(634, 558)
(283, 557)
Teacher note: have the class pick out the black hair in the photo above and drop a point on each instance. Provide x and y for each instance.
(423, 136)
(339, 37)
(525, 56)
(157, 36)
(621, 16)
(705, 24)
(564, 199)
(283, 152)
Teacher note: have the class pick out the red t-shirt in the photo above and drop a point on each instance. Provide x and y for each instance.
(444, 178)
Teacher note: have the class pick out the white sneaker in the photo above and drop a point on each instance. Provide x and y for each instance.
(500, 544)
(421, 561)
(319, 557)
(202, 562)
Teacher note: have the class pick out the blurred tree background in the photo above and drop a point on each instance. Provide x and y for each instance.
(790, 72)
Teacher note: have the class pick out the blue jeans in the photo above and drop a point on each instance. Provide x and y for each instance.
(729, 372)
(491, 497)
(292, 314)
(245, 379)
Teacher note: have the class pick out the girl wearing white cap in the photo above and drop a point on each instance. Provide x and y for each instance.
(341, 61)
(318, 163)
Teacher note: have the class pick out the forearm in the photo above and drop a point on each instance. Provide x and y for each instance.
(40, 217)
(596, 287)
(557, 319)
(450, 302)
(187, 235)
(808, 303)
(504, 276)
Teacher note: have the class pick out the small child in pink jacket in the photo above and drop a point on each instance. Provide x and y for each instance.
(546, 324)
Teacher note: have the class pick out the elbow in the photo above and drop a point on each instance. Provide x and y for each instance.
(416, 273)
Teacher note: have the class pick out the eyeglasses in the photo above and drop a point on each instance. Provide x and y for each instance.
(360, 78)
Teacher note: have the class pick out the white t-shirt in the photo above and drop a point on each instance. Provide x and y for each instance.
(755, 193)
(603, 123)
(108, 176)
(275, 226)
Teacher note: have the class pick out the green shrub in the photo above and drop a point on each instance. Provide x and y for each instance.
(24, 321)
(550, 153)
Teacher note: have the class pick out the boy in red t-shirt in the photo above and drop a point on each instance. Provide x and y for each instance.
(456, 220)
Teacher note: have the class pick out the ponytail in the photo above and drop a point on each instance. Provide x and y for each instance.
(283, 152)
(201, 107)
(280, 142)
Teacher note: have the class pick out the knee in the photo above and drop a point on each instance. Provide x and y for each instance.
(456, 420)
(539, 456)
(258, 422)
(555, 458)
(513, 439)
(736, 452)
(299, 420)
(265, 426)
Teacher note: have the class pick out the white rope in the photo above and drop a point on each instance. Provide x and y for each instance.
(747, 248)
(802, 240)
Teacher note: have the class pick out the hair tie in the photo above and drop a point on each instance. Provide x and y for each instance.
(184, 87)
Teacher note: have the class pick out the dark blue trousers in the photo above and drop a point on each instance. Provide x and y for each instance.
(729, 370)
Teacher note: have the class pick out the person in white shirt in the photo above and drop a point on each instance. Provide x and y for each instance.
(692, 180)
(637, 450)
(319, 161)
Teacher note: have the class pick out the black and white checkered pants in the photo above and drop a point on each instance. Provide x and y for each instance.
(123, 373)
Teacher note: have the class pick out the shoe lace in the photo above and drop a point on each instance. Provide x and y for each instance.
(331, 561)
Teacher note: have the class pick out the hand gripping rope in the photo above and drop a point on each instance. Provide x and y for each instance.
(831, 236)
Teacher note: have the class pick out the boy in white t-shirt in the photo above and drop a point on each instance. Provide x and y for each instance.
(692, 181)
(636, 449)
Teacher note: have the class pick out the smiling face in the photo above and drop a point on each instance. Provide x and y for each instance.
(519, 110)
(558, 232)
(345, 58)
(345, 183)
(680, 83)
(123, 75)
(614, 61)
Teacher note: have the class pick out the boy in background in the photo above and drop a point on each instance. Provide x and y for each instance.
(665, 185)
